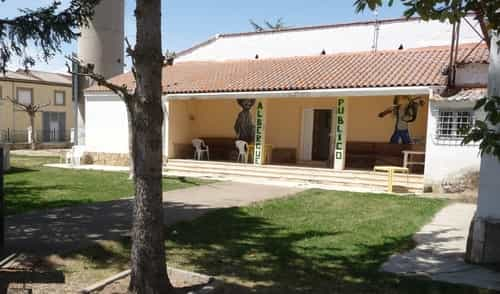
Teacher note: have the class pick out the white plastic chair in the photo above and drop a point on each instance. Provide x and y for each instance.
(242, 147)
(200, 148)
(75, 155)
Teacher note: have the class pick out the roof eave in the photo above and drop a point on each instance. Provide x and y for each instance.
(316, 93)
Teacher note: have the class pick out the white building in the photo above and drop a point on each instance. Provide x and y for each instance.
(337, 38)
(298, 72)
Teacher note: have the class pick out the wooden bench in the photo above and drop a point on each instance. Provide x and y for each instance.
(221, 148)
(366, 155)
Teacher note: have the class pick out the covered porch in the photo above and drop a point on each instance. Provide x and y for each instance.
(338, 130)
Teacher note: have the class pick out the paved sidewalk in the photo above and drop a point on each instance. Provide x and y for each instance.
(66, 229)
(440, 251)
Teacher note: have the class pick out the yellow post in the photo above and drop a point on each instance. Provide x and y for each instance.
(389, 181)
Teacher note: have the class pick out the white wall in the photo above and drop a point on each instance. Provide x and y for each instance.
(489, 200)
(351, 38)
(442, 159)
(472, 74)
(106, 128)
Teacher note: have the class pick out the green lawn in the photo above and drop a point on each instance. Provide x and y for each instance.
(30, 186)
(316, 242)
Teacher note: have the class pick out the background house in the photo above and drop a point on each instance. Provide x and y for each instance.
(53, 124)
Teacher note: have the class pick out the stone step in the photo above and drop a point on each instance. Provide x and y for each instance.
(285, 170)
(273, 166)
(306, 178)
(341, 186)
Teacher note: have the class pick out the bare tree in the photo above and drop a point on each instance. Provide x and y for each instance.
(31, 110)
(145, 115)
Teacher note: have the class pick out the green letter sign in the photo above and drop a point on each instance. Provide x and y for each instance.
(340, 135)
(259, 135)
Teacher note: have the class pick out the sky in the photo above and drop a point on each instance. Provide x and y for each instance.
(188, 22)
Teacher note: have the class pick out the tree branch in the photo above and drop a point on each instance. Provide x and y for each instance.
(132, 54)
(45, 27)
(28, 108)
(120, 90)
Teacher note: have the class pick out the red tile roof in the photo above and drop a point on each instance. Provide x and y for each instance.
(35, 76)
(394, 68)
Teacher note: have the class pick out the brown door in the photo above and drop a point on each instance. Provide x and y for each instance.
(321, 134)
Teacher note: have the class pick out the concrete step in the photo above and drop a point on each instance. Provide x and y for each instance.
(341, 186)
(303, 176)
(288, 170)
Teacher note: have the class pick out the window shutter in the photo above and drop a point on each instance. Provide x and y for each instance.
(24, 96)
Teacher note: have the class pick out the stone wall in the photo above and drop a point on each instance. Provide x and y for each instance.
(103, 158)
(461, 182)
(115, 159)
(483, 243)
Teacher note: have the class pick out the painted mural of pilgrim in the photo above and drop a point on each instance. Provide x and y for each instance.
(403, 114)
(244, 126)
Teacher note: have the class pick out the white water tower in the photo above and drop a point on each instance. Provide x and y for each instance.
(102, 44)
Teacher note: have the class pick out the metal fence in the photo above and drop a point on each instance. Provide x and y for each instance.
(54, 136)
(14, 136)
(42, 136)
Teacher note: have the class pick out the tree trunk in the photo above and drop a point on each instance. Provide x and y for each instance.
(33, 132)
(148, 262)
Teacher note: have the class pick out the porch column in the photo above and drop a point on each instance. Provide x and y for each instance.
(340, 134)
(260, 134)
(166, 141)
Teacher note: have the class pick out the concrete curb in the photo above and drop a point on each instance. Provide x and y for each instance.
(211, 287)
(101, 284)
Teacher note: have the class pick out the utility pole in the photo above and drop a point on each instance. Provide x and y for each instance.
(376, 32)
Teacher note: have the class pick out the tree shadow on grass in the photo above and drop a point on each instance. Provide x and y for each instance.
(185, 180)
(20, 170)
(256, 256)
(70, 229)
(22, 196)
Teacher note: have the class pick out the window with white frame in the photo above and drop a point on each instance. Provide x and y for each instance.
(451, 123)
(59, 98)
(25, 96)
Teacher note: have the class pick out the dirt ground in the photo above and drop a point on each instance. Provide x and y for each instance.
(182, 283)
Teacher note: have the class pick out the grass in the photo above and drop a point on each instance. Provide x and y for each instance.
(316, 242)
(31, 186)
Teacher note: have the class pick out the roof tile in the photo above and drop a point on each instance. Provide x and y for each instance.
(394, 68)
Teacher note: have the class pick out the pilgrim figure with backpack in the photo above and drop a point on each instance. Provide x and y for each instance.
(403, 114)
